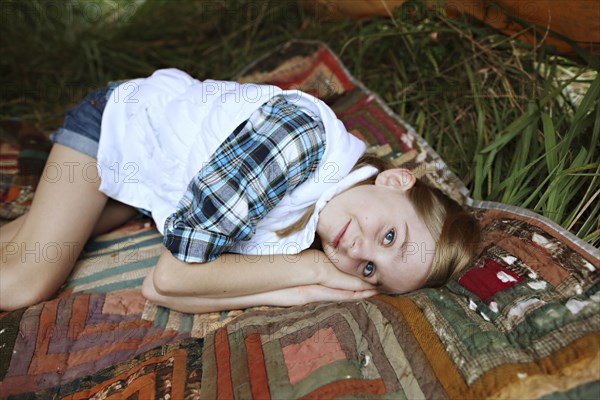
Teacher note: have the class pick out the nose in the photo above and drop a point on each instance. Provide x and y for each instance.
(360, 249)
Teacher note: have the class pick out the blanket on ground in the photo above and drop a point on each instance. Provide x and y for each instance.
(522, 322)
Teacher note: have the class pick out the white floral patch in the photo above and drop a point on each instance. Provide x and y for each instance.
(575, 305)
(505, 278)
(472, 305)
(509, 260)
(532, 275)
(522, 307)
(494, 306)
(537, 285)
(542, 241)
(589, 266)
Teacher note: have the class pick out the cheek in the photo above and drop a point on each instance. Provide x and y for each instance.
(406, 279)
(342, 263)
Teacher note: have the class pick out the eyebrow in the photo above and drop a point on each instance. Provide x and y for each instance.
(402, 249)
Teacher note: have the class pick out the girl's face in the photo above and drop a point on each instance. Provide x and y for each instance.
(373, 232)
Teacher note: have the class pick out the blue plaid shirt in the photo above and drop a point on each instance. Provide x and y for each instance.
(271, 153)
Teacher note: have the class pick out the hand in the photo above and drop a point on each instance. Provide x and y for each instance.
(333, 278)
(314, 293)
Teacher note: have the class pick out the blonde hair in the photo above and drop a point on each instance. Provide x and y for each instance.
(455, 231)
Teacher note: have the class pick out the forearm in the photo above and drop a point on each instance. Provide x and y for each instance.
(282, 297)
(234, 275)
(197, 305)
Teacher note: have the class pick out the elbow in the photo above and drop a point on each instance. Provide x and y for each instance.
(160, 281)
(173, 277)
(151, 292)
(149, 289)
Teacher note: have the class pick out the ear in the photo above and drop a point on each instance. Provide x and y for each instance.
(399, 178)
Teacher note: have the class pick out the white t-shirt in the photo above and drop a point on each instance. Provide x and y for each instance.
(157, 132)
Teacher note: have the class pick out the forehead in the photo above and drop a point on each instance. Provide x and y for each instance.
(405, 273)
(407, 270)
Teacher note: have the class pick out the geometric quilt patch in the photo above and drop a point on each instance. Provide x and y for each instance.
(488, 280)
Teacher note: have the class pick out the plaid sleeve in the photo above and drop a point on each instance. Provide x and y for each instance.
(274, 151)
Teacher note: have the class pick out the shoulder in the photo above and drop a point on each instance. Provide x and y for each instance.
(283, 122)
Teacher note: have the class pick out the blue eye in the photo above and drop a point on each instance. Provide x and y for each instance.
(389, 237)
(369, 269)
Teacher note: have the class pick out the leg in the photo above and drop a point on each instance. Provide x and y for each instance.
(114, 215)
(8, 231)
(64, 211)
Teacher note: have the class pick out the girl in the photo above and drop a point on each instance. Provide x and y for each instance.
(243, 179)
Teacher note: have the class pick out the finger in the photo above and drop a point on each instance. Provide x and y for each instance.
(368, 286)
(324, 293)
(360, 294)
(340, 294)
(355, 284)
(366, 293)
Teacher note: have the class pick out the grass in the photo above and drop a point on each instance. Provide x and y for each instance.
(516, 123)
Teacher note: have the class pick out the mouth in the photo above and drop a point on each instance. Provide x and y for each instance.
(340, 235)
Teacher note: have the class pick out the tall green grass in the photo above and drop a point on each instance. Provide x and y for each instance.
(498, 111)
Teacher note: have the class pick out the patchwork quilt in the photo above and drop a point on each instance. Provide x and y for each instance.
(522, 322)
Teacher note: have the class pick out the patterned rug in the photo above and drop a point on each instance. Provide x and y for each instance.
(523, 322)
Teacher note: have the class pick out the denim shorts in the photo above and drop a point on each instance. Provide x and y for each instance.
(81, 128)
